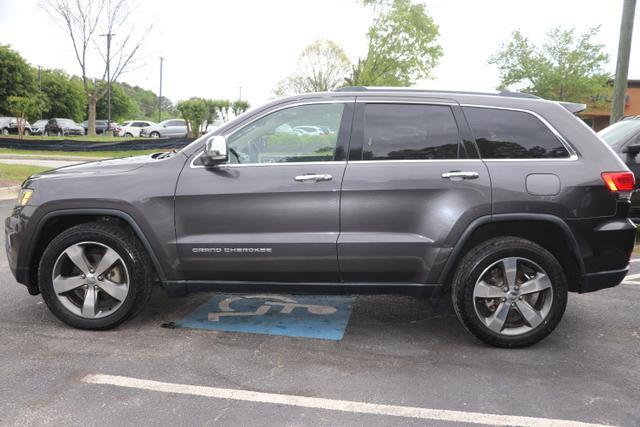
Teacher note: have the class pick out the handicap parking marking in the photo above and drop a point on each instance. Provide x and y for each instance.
(309, 316)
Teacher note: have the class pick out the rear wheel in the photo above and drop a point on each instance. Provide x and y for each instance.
(509, 292)
(128, 135)
(94, 276)
(27, 132)
(154, 134)
(5, 131)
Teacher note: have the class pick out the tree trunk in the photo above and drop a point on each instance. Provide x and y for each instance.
(93, 101)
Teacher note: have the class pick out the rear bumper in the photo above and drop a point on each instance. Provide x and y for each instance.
(601, 280)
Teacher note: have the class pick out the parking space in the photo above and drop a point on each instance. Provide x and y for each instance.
(401, 361)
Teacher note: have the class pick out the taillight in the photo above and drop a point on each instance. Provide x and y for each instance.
(619, 181)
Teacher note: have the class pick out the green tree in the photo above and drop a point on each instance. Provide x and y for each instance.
(565, 67)
(238, 107)
(322, 66)
(65, 95)
(123, 106)
(23, 107)
(17, 78)
(403, 46)
(195, 112)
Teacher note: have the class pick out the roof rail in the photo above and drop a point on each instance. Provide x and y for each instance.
(408, 89)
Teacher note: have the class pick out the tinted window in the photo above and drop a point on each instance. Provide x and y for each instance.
(506, 134)
(277, 138)
(403, 131)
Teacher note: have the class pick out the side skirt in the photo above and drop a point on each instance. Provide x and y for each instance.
(421, 290)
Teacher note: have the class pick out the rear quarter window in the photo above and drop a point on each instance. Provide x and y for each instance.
(508, 134)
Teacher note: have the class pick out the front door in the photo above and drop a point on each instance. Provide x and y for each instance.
(272, 212)
(412, 182)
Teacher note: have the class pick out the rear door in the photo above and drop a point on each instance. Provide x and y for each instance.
(413, 181)
(272, 212)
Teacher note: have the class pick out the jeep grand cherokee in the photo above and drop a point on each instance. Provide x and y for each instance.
(509, 202)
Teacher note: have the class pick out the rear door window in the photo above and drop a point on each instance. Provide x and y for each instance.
(410, 132)
(509, 134)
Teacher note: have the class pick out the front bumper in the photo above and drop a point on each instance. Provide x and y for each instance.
(17, 232)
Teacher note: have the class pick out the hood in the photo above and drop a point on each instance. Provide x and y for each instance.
(101, 167)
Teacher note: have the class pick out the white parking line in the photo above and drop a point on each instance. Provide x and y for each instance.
(632, 276)
(330, 404)
(634, 260)
(631, 282)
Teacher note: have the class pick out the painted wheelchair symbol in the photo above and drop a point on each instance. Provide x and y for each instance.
(287, 305)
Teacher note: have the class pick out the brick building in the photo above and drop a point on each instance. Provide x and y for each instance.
(598, 118)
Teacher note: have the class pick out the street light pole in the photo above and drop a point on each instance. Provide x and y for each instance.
(109, 35)
(160, 92)
(40, 85)
(622, 65)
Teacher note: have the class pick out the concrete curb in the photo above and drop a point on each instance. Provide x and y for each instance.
(8, 193)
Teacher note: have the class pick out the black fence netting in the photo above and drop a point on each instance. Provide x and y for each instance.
(79, 145)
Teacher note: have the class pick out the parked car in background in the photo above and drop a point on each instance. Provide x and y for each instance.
(132, 128)
(101, 126)
(62, 127)
(165, 129)
(310, 130)
(624, 138)
(37, 128)
(9, 126)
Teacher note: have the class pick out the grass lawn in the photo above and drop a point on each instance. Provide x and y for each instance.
(104, 154)
(84, 138)
(15, 174)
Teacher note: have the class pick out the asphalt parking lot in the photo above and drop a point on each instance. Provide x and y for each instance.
(400, 362)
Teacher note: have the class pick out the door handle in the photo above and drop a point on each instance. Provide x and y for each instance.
(313, 177)
(460, 175)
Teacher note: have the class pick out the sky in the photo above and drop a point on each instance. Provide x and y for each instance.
(214, 47)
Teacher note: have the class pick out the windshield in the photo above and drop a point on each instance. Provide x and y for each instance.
(619, 133)
(66, 122)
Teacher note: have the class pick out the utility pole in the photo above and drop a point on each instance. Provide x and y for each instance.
(40, 85)
(109, 35)
(622, 64)
(160, 92)
(240, 95)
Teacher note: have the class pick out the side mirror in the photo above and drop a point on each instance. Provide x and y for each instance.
(215, 151)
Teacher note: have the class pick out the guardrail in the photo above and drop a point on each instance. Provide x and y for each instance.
(80, 145)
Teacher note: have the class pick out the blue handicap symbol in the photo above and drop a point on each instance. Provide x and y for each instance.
(310, 316)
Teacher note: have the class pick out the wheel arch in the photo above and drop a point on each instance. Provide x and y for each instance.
(53, 223)
(549, 231)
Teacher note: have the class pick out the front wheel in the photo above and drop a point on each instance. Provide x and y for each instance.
(509, 292)
(94, 276)
(154, 134)
(5, 131)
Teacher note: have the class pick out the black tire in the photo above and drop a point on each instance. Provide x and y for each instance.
(127, 247)
(60, 133)
(484, 256)
(128, 135)
(5, 131)
(27, 132)
(46, 133)
(154, 134)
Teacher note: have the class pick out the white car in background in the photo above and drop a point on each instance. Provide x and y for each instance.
(132, 128)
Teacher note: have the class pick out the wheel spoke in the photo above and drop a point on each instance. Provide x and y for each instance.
(108, 259)
(76, 255)
(510, 270)
(528, 313)
(116, 290)
(485, 290)
(89, 303)
(496, 321)
(539, 283)
(65, 284)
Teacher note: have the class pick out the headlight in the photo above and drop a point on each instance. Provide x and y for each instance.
(24, 196)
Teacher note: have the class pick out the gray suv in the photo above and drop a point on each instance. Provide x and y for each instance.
(508, 202)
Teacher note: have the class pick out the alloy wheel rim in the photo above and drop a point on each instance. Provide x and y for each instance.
(513, 296)
(90, 279)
